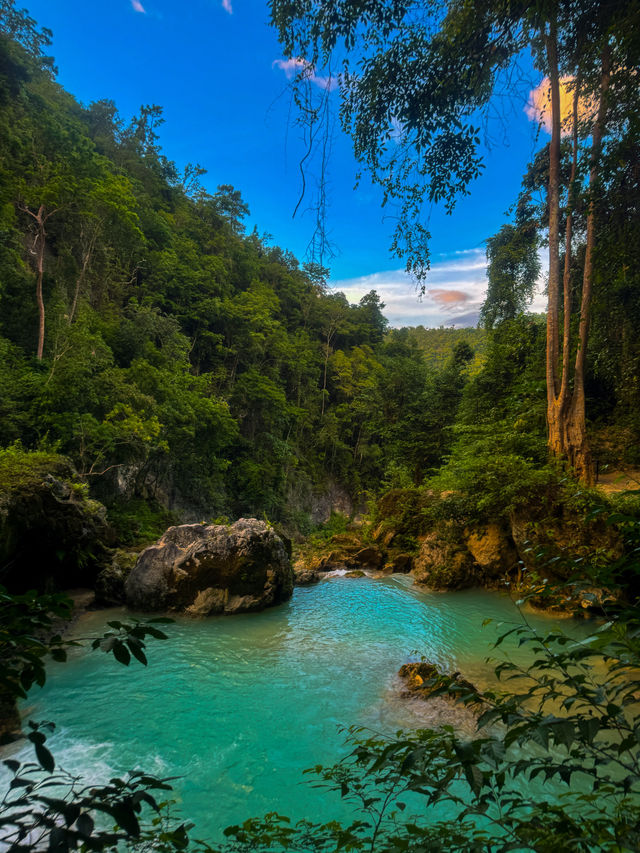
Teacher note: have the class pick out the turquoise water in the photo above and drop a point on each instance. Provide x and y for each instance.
(240, 706)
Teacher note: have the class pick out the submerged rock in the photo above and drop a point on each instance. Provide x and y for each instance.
(204, 569)
(425, 679)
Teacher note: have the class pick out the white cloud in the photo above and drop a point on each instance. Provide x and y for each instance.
(298, 66)
(226, 5)
(137, 6)
(456, 289)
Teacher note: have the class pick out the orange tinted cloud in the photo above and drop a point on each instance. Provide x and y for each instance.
(449, 298)
(538, 108)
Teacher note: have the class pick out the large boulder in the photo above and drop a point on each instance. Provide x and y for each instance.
(204, 569)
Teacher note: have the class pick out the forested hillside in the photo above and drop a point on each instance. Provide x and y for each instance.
(184, 364)
(177, 359)
(172, 356)
(438, 344)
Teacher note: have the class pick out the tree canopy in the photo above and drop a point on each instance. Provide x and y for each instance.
(416, 82)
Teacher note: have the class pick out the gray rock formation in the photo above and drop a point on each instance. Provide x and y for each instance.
(205, 569)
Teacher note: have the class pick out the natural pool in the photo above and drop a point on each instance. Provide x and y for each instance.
(240, 706)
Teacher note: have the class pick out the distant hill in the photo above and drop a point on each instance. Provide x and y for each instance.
(437, 344)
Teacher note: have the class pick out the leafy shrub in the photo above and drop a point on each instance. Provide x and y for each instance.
(139, 522)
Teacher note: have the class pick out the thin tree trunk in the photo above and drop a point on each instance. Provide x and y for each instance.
(39, 248)
(324, 377)
(554, 419)
(578, 447)
(86, 257)
(566, 278)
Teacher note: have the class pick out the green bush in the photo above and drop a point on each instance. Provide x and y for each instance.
(139, 522)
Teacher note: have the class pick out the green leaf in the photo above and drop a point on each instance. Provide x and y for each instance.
(121, 653)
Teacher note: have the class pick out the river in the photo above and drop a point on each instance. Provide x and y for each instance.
(238, 707)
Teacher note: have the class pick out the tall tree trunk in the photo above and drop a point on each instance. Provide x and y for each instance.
(577, 445)
(86, 257)
(39, 251)
(568, 237)
(554, 414)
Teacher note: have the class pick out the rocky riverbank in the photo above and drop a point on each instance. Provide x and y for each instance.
(424, 534)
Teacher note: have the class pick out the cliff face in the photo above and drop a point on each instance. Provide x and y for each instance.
(52, 535)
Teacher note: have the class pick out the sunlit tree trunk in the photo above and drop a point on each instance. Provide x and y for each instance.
(578, 450)
(554, 404)
(566, 415)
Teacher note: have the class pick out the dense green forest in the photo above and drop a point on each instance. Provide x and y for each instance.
(169, 354)
(170, 366)
(175, 358)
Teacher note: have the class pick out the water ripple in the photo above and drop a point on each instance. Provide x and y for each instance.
(240, 706)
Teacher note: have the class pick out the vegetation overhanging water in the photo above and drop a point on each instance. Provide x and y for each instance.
(239, 707)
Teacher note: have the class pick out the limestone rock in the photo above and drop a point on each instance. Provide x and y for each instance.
(202, 569)
(306, 578)
(565, 537)
(425, 678)
(347, 542)
(52, 535)
(492, 549)
(370, 557)
(400, 564)
(356, 573)
(333, 499)
(443, 563)
(320, 565)
(110, 582)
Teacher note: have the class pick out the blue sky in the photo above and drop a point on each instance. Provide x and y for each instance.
(213, 65)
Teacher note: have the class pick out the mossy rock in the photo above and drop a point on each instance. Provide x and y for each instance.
(52, 535)
(444, 563)
(551, 545)
(424, 679)
(109, 586)
(399, 564)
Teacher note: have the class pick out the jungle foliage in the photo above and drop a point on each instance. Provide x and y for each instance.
(170, 354)
(186, 365)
